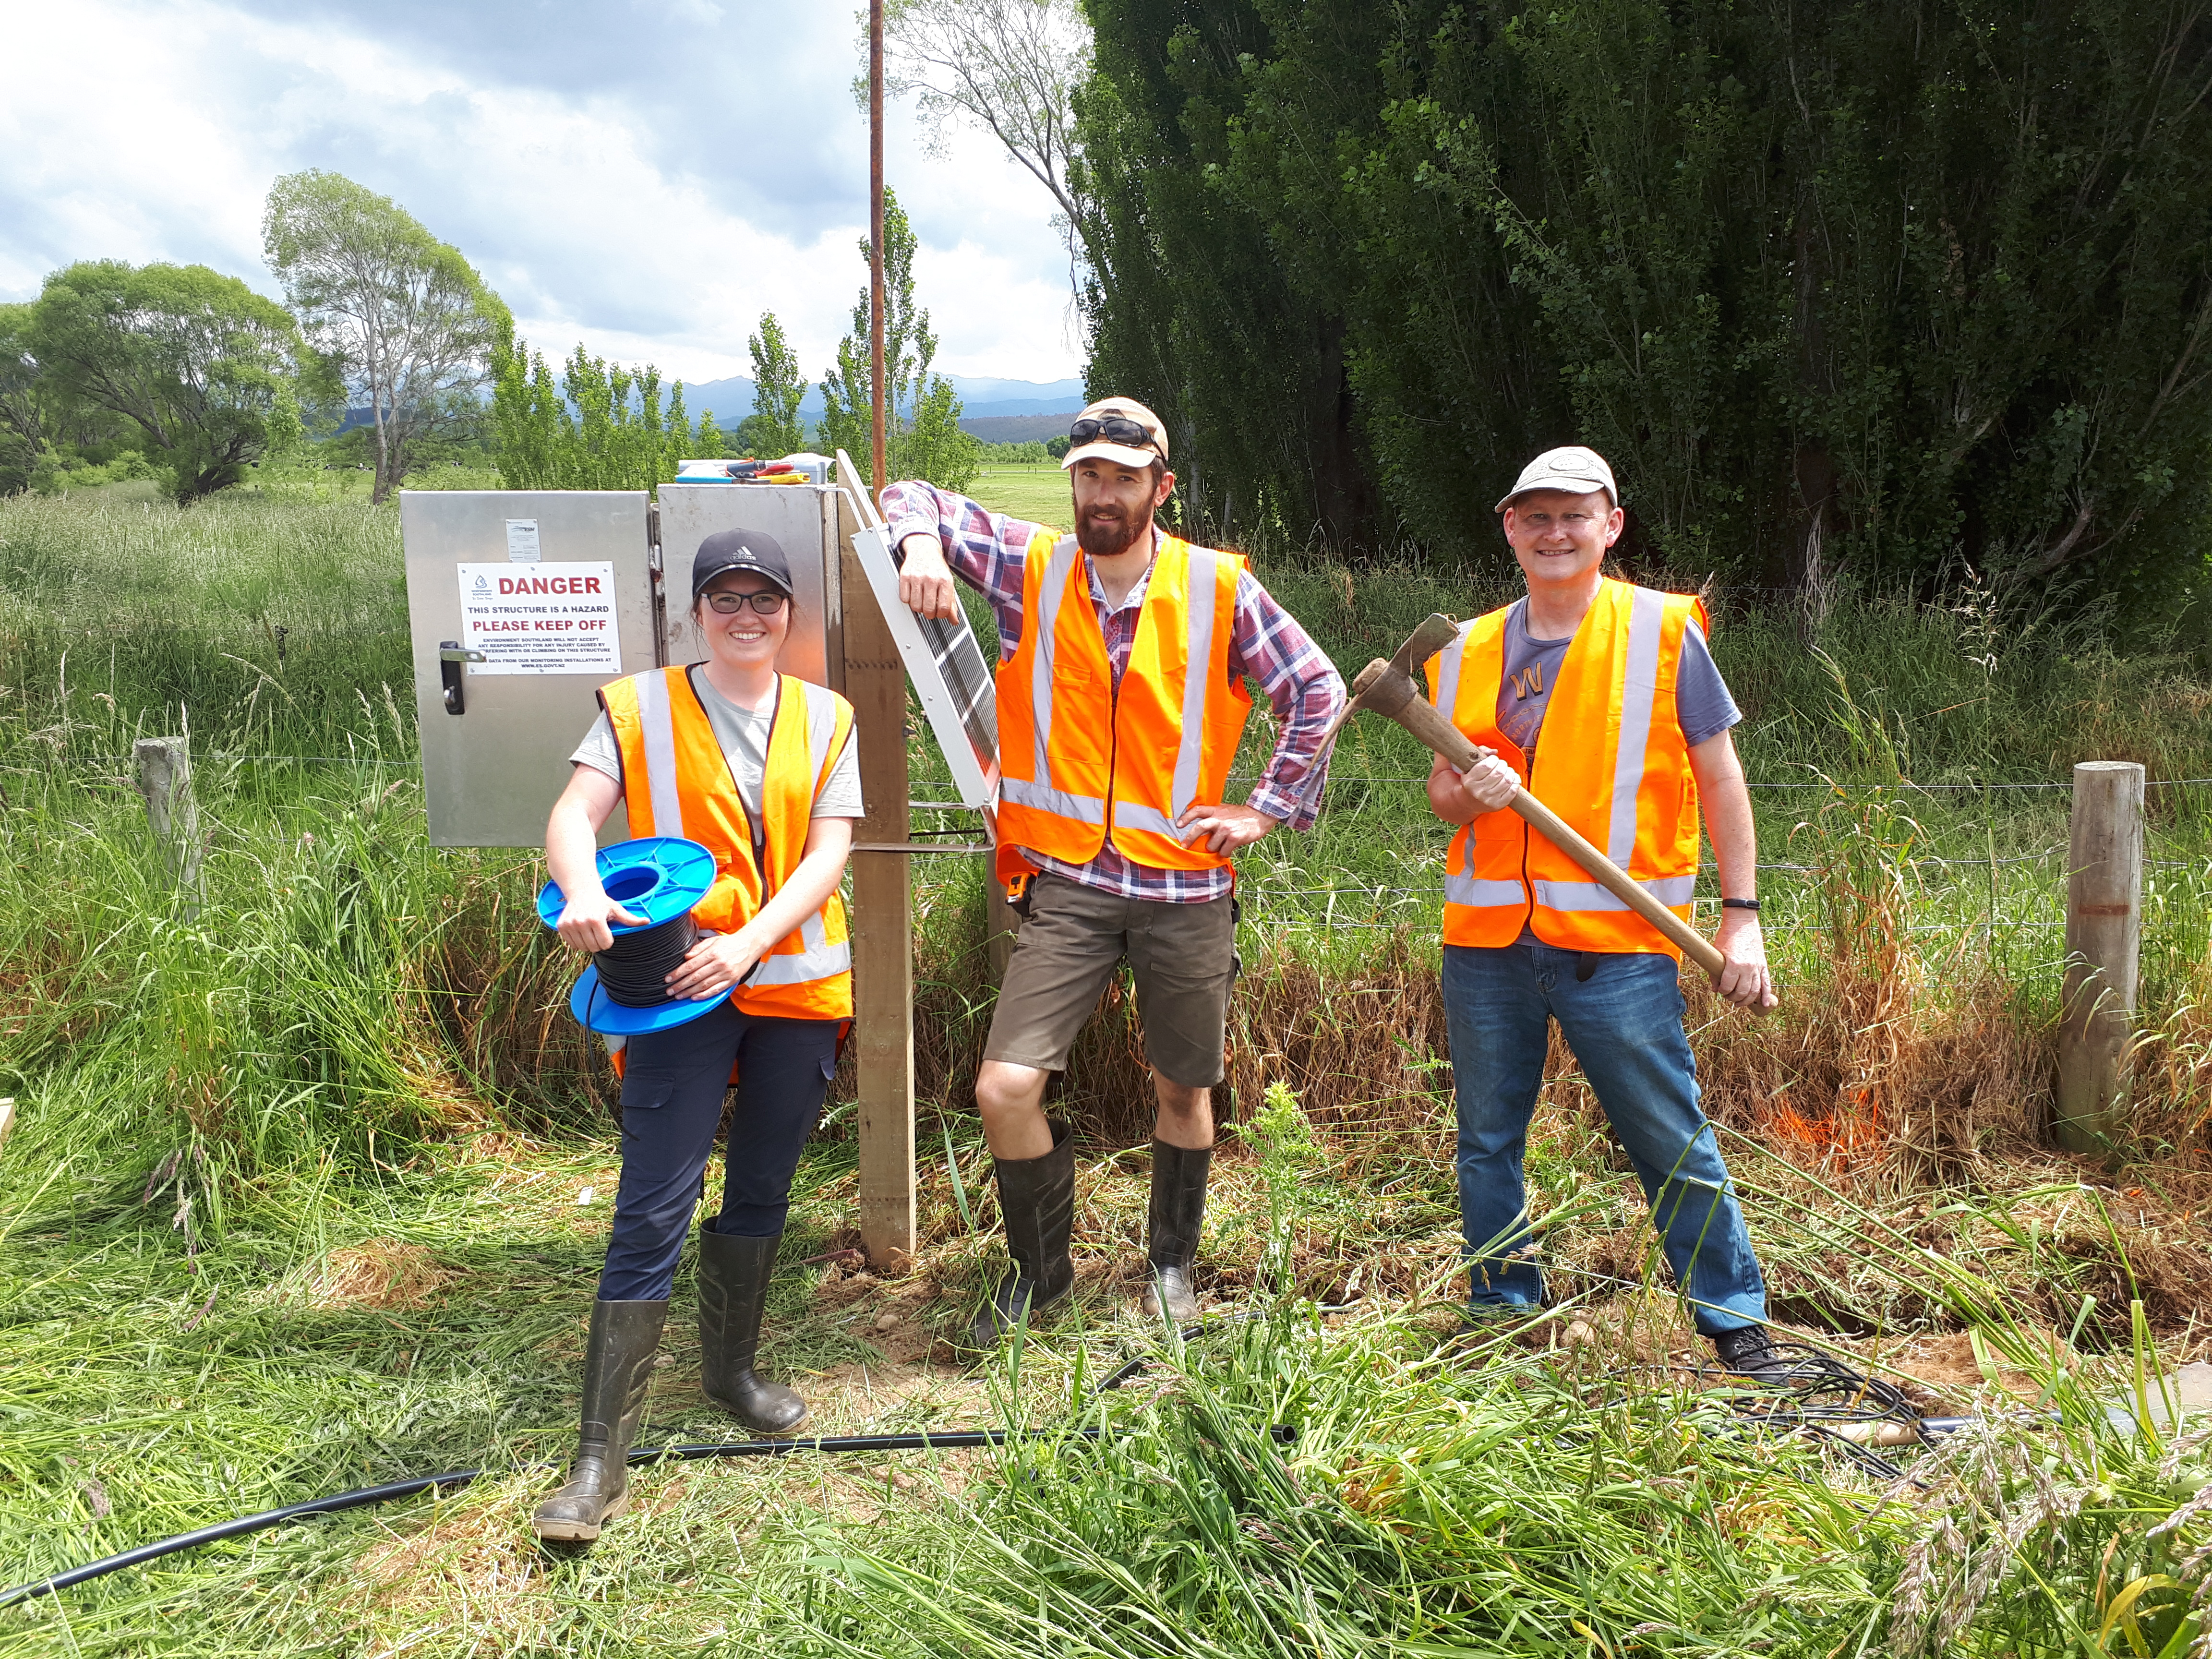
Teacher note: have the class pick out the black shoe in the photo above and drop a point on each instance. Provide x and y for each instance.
(734, 1275)
(1749, 1352)
(617, 1367)
(1178, 1212)
(1037, 1196)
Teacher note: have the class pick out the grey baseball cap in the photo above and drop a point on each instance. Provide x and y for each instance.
(1578, 470)
(739, 549)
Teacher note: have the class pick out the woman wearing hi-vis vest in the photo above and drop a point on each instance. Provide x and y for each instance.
(1123, 653)
(1602, 698)
(759, 767)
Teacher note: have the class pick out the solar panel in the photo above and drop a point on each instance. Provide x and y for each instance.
(950, 673)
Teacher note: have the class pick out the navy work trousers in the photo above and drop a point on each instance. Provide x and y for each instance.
(672, 1104)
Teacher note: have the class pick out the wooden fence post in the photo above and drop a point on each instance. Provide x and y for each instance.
(2103, 929)
(883, 924)
(164, 768)
(7, 1117)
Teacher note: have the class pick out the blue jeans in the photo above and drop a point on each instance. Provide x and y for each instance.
(1625, 1026)
(673, 1083)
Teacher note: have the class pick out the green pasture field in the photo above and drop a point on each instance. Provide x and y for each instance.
(310, 1175)
(1036, 490)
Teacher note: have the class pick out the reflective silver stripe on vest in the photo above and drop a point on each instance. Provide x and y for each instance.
(821, 729)
(1202, 576)
(1084, 809)
(819, 960)
(1671, 890)
(657, 725)
(1448, 671)
(1052, 588)
(1638, 692)
(1127, 815)
(1472, 889)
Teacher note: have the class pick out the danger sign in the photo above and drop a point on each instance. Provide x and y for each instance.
(541, 618)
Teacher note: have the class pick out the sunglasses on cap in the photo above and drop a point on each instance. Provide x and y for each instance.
(768, 604)
(1114, 429)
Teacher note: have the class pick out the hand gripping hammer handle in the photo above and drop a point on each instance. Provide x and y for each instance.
(1390, 692)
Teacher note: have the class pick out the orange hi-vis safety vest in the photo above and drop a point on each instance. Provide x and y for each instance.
(677, 782)
(1610, 759)
(1078, 758)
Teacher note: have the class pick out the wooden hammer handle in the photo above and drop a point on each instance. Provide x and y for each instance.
(1425, 721)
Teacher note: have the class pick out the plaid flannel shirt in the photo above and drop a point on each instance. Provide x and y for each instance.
(986, 549)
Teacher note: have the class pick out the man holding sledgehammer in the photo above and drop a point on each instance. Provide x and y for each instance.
(1602, 699)
(1123, 653)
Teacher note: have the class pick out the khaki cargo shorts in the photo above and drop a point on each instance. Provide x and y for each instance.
(1183, 958)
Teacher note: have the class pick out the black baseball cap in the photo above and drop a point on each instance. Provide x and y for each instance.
(739, 549)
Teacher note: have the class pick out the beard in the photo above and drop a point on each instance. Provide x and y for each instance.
(1103, 537)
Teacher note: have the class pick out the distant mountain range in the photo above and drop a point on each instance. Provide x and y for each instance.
(981, 399)
(997, 411)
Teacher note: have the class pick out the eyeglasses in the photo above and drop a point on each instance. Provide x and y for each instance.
(1115, 429)
(729, 605)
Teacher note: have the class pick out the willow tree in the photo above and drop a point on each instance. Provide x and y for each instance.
(197, 362)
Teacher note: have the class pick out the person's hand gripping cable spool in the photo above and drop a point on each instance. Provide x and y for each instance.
(624, 993)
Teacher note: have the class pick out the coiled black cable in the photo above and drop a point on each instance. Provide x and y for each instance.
(634, 970)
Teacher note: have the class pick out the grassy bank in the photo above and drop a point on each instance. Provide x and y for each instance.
(312, 1170)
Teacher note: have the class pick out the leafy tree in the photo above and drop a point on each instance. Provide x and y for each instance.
(1010, 67)
(601, 428)
(1878, 288)
(922, 437)
(755, 436)
(401, 315)
(24, 398)
(196, 360)
(778, 390)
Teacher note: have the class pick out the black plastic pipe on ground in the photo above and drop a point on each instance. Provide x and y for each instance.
(855, 1445)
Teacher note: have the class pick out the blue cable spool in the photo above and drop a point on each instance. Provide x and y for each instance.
(660, 877)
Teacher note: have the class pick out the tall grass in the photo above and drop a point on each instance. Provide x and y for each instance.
(344, 991)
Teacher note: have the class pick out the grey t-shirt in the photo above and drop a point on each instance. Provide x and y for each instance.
(1702, 701)
(743, 733)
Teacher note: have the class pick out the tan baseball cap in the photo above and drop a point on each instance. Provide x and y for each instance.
(1128, 408)
(1578, 470)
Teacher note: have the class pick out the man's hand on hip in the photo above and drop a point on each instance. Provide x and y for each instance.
(925, 580)
(1744, 980)
(1224, 828)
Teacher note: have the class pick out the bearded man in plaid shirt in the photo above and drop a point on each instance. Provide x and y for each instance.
(1123, 654)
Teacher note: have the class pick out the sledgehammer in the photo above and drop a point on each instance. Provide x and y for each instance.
(1387, 689)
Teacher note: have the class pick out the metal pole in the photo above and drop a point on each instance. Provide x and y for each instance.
(875, 478)
(2104, 932)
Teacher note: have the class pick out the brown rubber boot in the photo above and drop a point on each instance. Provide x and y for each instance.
(617, 1366)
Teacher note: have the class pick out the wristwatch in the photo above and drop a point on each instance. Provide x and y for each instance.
(1739, 904)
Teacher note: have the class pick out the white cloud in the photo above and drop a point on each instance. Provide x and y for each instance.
(631, 214)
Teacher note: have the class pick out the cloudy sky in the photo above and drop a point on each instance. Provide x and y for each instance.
(646, 176)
